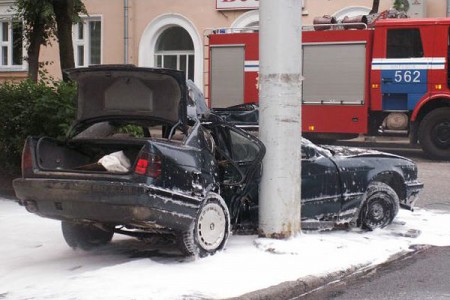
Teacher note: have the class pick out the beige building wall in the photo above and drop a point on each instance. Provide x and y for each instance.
(436, 8)
(147, 19)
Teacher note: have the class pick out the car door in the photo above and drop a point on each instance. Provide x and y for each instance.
(239, 156)
(321, 193)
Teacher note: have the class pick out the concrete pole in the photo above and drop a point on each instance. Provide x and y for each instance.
(280, 117)
(125, 31)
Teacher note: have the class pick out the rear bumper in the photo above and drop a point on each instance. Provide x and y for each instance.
(115, 203)
(412, 194)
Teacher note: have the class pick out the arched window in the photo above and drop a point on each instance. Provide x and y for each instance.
(248, 19)
(175, 50)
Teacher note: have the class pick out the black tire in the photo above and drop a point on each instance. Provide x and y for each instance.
(85, 236)
(210, 230)
(434, 134)
(380, 207)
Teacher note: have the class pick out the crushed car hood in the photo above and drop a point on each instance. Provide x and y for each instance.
(127, 90)
(343, 151)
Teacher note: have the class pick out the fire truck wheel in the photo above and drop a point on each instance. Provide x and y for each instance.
(434, 133)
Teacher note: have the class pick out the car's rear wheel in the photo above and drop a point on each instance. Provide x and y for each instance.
(85, 236)
(209, 231)
(380, 207)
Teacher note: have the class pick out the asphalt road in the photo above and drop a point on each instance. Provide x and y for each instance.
(426, 273)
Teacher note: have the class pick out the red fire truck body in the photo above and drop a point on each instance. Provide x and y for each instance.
(390, 79)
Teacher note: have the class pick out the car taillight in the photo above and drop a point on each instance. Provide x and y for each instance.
(148, 164)
(27, 160)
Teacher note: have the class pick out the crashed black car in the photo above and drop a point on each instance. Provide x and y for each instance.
(136, 162)
(133, 163)
(364, 188)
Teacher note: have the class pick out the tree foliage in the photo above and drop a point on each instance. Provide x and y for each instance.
(30, 108)
(401, 5)
(44, 20)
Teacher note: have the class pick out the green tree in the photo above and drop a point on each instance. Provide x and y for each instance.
(30, 108)
(401, 5)
(64, 15)
(45, 19)
(38, 27)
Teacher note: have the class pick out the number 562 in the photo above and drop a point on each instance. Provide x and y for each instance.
(407, 76)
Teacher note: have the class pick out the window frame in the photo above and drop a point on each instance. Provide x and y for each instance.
(9, 44)
(85, 41)
(185, 53)
(159, 57)
(394, 50)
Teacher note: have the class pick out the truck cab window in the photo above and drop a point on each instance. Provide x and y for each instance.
(404, 43)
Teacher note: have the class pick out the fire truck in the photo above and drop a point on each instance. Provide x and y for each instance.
(390, 78)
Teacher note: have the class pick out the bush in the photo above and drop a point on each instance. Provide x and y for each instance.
(29, 108)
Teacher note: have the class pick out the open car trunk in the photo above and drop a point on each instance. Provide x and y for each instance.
(108, 145)
(87, 155)
(105, 146)
(120, 109)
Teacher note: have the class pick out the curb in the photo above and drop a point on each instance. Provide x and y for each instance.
(299, 287)
(303, 286)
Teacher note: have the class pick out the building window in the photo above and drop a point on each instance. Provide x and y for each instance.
(404, 43)
(175, 50)
(11, 44)
(87, 42)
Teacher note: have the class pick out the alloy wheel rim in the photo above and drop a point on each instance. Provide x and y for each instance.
(211, 226)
